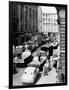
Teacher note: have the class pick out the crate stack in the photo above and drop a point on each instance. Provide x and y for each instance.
(62, 21)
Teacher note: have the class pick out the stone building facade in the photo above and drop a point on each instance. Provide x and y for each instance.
(48, 19)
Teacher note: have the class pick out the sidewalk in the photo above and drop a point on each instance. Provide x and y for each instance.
(49, 79)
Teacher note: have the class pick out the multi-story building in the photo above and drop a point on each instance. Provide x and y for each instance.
(28, 18)
(62, 27)
(48, 19)
(23, 19)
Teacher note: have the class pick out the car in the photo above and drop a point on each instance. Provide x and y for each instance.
(26, 54)
(29, 75)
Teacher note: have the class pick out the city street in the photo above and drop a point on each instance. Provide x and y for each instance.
(38, 41)
(50, 78)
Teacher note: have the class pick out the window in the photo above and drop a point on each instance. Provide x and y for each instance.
(46, 18)
(46, 23)
(31, 73)
(30, 13)
(43, 23)
(46, 15)
(43, 14)
(49, 23)
(43, 19)
(26, 14)
(55, 20)
(54, 23)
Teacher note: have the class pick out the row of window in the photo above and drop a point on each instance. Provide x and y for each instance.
(50, 24)
(50, 19)
(48, 14)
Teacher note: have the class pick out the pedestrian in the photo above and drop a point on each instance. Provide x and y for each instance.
(45, 68)
(55, 62)
(51, 62)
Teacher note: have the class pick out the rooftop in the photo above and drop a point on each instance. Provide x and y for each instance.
(48, 9)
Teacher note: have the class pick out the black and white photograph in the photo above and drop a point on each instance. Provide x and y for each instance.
(37, 44)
